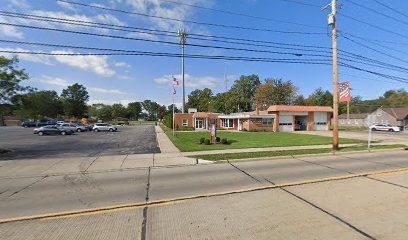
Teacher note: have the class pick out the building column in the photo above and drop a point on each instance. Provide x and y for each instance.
(294, 123)
(310, 121)
(239, 125)
(276, 122)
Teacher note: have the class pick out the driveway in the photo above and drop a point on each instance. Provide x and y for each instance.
(22, 143)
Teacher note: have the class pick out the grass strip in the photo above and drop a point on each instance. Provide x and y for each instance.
(248, 155)
(189, 141)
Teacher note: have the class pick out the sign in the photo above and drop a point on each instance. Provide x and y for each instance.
(371, 119)
(213, 131)
(344, 92)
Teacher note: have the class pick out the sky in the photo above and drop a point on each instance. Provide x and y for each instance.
(124, 79)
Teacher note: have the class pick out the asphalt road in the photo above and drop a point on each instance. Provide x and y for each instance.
(128, 140)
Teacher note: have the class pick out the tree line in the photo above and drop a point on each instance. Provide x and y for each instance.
(249, 92)
(246, 94)
(28, 102)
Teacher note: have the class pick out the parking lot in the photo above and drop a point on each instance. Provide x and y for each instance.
(22, 143)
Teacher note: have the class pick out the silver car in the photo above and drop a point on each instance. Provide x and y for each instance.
(52, 130)
(104, 127)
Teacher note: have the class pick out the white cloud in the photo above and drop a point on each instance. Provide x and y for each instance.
(96, 64)
(163, 9)
(23, 4)
(26, 57)
(52, 81)
(67, 6)
(9, 31)
(122, 64)
(103, 90)
(190, 80)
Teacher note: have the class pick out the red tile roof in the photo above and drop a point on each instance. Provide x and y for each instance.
(200, 115)
(284, 108)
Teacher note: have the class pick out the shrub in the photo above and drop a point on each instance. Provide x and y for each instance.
(224, 141)
(177, 127)
(217, 139)
(207, 142)
(202, 140)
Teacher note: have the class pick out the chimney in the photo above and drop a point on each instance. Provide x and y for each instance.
(257, 110)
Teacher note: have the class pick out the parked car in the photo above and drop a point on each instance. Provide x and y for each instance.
(52, 130)
(83, 127)
(28, 124)
(104, 127)
(384, 127)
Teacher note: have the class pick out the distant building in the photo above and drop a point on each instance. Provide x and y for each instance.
(276, 118)
(355, 120)
(394, 116)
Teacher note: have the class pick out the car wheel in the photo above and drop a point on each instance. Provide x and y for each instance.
(79, 130)
(40, 133)
(110, 129)
(96, 130)
(391, 130)
(25, 126)
(63, 133)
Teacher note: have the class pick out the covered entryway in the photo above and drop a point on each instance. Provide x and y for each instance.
(200, 120)
(199, 123)
(301, 123)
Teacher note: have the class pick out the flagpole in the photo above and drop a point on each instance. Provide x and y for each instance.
(348, 111)
(173, 110)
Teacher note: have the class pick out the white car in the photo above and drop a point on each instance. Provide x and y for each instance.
(104, 127)
(384, 127)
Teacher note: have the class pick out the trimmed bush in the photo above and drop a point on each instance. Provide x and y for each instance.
(224, 141)
(202, 140)
(207, 142)
(217, 139)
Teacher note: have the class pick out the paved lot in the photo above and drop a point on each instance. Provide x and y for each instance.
(335, 205)
(128, 140)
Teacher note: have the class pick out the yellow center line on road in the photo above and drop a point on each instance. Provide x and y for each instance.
(162, 202)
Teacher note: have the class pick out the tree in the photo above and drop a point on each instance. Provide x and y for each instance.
(74, 100)
(275, 92)
(134, 109)
(320, 98)
(151, 108)
(11, 78)
(170, 109)
(244, 88)
(201, 99)
(40, 104)
(118, 110)
(226, 103)
(299, 101)
(161, 112)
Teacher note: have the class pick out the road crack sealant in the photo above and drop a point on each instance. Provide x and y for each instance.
(144, 223)
(310, 203)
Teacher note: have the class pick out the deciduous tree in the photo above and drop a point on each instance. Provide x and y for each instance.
(74, 100)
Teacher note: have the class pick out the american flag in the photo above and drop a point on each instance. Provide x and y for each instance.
(175, 81)
(344, 92)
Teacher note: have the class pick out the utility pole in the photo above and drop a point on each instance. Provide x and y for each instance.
(183, 39)
(332, 21)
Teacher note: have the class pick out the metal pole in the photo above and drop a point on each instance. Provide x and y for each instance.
(183, 38)
(348, 111)
(173, 114)
(335, 79)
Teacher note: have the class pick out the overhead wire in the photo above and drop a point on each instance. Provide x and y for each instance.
(240, 14)
(190, 21)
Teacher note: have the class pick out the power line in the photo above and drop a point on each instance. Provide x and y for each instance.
(192, 22)
(373, 25)
(157, 54)
(377, 12)
(153, 31)
(299, 54)
(301, 3)
(391, 8)
(371, 79)
(240, 14)
(373, 49)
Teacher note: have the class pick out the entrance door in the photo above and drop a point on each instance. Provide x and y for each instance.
(199, 124)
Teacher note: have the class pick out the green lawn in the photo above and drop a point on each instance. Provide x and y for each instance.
(189, 141)
(248, 155)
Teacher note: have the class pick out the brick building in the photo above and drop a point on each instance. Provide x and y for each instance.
(276, 118)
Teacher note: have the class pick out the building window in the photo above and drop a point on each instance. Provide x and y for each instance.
(227, 123)
(285, 124)
(321, 123)
(267, 121)
(185, 122)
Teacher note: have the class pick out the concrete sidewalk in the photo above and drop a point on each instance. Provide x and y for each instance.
(165, 144)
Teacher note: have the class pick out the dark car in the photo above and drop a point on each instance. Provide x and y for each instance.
(27, 124)
(52, 130)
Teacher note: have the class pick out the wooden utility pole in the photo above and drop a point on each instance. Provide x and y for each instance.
(183, 38)
(332, 22)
